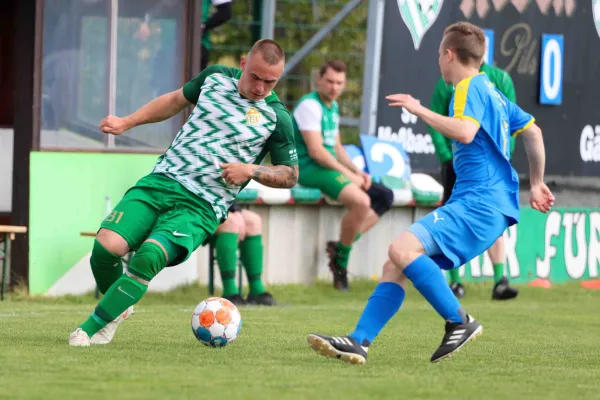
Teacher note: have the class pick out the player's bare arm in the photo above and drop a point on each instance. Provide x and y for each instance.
(541, 198)
(316, 150)
(344, 159)
(159, 109)
(461, 130)
(277, 176)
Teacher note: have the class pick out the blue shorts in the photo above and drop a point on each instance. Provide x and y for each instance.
(459, 231)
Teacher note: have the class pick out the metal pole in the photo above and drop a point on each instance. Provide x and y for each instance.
(320, 35)
(112, 64)
(268, 20)
(368, 114)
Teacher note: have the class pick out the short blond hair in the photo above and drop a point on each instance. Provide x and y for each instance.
(467, 41)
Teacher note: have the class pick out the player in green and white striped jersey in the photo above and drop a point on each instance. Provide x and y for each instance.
(236, 120)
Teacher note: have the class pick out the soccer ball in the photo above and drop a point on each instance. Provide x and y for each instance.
(216, 322)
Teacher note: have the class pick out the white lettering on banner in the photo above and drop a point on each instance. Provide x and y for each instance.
(418, 143)
(575, 263)
(589, 143)
(552, 229)
(413, 143)
(594, 246)
(588, 254)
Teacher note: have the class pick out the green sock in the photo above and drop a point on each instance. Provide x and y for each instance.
(454, 276)
(251, 253)
(358, 235)
(106, 267)
(343, 254)
(226, 246)
(123, 294)
(498, 272)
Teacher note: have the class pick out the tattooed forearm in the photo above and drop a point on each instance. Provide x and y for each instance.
(279, 176)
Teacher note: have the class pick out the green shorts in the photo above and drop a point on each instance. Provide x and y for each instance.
(159, 205)
(329, 181)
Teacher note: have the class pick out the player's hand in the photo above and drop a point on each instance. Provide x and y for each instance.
(411, 104)
(541, 198)
(113, 125)
(367, 180)
(357, 179)
(236, 173)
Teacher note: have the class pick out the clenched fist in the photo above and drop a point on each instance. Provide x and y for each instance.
(113, 125)
(236, 173)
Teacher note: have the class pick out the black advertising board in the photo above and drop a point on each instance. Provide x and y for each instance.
(551, 49)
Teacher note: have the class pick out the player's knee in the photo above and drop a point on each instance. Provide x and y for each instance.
(391, 273)
(113, 242)
(102, 258)
(399, 256)
(252, 222)
(405, 250)
(233, 224)
(361, 202)
(148, 261)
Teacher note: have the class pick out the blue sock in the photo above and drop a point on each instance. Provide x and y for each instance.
(429, 280)
(381, 307)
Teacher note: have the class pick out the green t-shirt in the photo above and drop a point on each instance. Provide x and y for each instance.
(225, 127)
(440, 103)
(311, 114)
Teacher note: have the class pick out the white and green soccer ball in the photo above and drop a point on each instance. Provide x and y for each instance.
(216, 322)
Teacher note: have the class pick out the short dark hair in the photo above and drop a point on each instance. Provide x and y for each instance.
(467, 40)
(271, 51)
(336, 65)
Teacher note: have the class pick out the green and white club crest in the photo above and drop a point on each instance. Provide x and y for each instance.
(419, 16)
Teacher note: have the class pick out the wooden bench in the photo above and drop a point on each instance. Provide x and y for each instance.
(7, 235)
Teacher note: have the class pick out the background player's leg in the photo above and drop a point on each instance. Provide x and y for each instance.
(358, 204)
(226, 247)
(501, 290)
(448, 176)
(251, 254)
(497, 256)
(382, 199)
(370, 221)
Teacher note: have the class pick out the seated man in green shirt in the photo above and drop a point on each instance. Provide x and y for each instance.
(440, 103)
(324, 164)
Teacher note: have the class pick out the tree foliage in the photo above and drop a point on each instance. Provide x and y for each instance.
(296, 21)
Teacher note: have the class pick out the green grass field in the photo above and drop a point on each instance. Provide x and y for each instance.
(544, 345)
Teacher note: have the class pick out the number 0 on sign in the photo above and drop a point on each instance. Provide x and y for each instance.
(551, 74)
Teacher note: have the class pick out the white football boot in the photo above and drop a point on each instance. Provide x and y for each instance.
(106, 334)
(79, 338)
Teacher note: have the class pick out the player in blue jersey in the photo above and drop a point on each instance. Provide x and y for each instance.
(485, 201)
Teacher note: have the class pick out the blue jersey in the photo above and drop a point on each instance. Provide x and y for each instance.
(483, 169)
